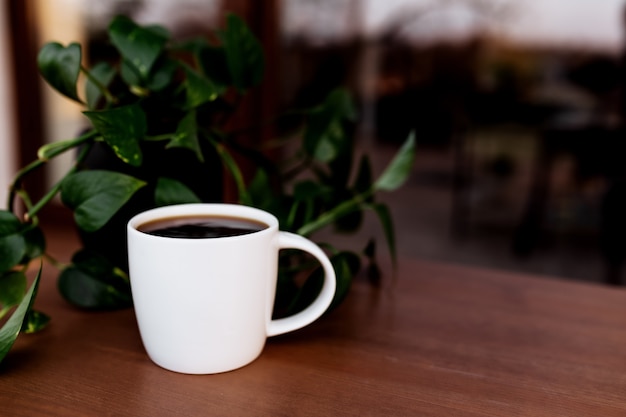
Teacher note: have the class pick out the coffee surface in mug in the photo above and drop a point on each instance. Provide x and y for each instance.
(201, 226)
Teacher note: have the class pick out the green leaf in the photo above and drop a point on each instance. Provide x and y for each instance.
(398, 171)
(162, 74)
(310, 190)
(326, 144)
(97, 265)
(95, 196)
(35, 242)
(35, 321)
(12, 242)
(373, 272)
(103, 74)
(260, 191)
(169, 191)
(199, 89)
(91, 282)
(9, 223)
(384, 215)
(325, 137)
(11, 329)
(86, 291)
(140, 46)
(12, 289)
(158, 30)
(12, 250)
(244, 54)
(60, 67)
(186, 135)
(130, 74)
(346, 266)
(122, 128)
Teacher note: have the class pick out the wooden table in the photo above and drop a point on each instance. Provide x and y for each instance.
(440, 340)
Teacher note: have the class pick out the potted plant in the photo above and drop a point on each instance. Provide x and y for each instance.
(159, 115)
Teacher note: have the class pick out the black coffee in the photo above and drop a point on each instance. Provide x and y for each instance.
(201, 227)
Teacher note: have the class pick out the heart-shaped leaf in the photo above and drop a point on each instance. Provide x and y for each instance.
(140, 46)
(244, 54)
(91, 282)
(12, 242)
(399, 169)
(345, 264)
(35, 321)
(11, 329)
(162, 74)
(310, 190)
(12, 289)
(95, 196)
(199, 89)
(122, 128)
(98, 265)
(186, 135)
(262, 195)
(35, 242)
(169, 191)
(60, 67)
(130, 74)
(384, 216)
(325, 136)
(9, 223)
(12, 250)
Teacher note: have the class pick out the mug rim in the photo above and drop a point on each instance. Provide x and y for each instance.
(228, 209)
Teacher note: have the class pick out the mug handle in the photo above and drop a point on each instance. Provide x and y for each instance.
(305, 317)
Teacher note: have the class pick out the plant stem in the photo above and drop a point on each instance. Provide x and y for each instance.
(338, 211)
(301, 165)
(13, 189)
(32, 213)
(110, 98)
(156, 138)
(51, 150)
(55, 262)
(28, 204)
(232, 166)
(46, 153)
(120, 273)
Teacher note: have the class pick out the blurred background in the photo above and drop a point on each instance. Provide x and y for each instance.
(518, 109)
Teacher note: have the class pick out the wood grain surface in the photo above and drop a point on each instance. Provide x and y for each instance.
(438, 340)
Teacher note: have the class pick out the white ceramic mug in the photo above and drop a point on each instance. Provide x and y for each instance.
(205, 305)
